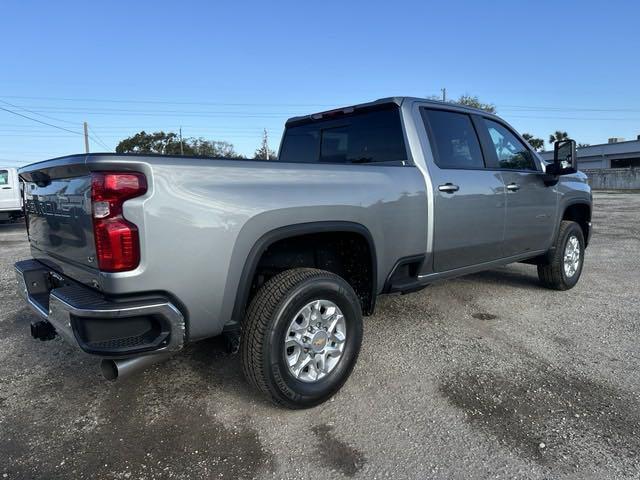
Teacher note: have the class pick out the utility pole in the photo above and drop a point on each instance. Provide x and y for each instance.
(444, 94)
(181, 147)
(266, 145)
(86, 137)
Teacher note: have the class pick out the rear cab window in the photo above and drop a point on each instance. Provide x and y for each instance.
(454, 139)
(371, 136)
(4, 177)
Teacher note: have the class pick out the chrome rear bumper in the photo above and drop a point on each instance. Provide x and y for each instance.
(116, 328)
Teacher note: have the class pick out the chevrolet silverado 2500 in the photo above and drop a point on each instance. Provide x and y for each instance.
(136, 255)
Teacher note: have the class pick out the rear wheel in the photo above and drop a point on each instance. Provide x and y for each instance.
(563, 269)
(301, 337)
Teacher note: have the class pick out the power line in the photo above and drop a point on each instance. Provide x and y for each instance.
(166, 102)
(599, 119)
(154, 126)
(14, 161)
(36, 113)
(214, 136)
(40, 121)
(274, 115)
(164, 114)
(44, 123)
(98, 139)
(247, 104)
(104, 110)
(35, 135)
(565, 109)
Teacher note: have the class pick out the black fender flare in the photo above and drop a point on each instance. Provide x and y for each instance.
(567, 206)
(269, 238)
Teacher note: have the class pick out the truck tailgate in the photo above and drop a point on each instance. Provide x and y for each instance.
(59, 221)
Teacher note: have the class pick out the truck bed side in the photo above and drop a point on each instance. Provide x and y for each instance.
(200, 218)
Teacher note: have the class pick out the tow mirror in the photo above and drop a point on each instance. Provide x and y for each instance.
(565, 160)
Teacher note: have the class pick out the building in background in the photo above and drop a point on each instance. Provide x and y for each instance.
(615, 154)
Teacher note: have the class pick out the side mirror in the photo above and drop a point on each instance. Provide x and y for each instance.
(565, 160)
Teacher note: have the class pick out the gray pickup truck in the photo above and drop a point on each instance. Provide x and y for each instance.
(136, 255)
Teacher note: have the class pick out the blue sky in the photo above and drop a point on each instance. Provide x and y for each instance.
(226, 70)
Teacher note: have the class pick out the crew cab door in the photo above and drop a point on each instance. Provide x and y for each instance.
(469, 199)
(531, 204)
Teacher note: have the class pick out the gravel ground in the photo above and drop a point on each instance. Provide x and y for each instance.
(486, 376)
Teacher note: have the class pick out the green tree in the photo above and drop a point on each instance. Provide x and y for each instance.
(474, 101)
(213, 148)
(536, 143)
(558, 136)
(157, 142)
(469, 101)
(168, 143)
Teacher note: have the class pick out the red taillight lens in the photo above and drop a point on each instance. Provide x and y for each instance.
(117, 242)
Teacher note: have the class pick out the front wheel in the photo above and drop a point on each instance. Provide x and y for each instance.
(563, 269)
(301, 337)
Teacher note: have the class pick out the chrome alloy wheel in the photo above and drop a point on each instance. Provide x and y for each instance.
(571, 256)
(315, 340)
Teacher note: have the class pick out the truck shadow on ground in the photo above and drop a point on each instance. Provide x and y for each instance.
(210, 358)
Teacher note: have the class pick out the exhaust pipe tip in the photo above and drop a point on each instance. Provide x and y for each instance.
(118, 369)
(109, 370)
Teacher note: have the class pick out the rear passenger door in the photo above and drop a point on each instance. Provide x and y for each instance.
(531, 204)
(469, 199)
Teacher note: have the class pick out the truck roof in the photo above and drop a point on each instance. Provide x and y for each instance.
(374, 104)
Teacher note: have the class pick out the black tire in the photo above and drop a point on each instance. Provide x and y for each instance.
(551, 273)
(269, 315)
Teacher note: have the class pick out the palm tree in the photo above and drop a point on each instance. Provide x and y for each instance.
(536, 143)
(558, 136)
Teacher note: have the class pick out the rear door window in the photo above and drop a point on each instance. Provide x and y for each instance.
(4, 177)
(453, 139)
(366, 137)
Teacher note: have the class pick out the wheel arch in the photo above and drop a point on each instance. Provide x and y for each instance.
(579, 211)
(270, 238)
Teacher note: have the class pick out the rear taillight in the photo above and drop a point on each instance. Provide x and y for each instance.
(117, 242)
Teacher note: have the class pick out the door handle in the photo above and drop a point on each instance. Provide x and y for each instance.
(6, 188)
(513, 187)
(448, 188)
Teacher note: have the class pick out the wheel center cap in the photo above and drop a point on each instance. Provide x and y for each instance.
(319, 341)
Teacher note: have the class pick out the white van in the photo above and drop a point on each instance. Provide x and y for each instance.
(10, 195)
